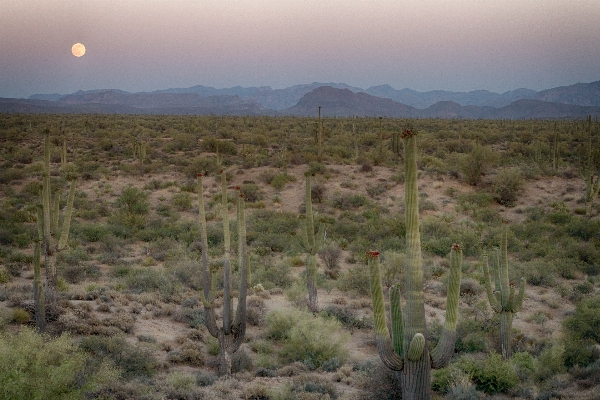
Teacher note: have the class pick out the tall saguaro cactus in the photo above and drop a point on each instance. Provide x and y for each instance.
(231, 334)
(590, 167)
(311, 243)
(52, 242)
(406, 350)
(38, 288)
(502, 296)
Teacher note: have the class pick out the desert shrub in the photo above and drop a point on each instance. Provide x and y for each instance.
(279, 180)
(585, 323)
(313, 384)
(378, 382)
(348, 201)
(305, 338)
(133, 361)
(182, 201)
(507, 185)
(35, 366)
(272, 276)
(356, 280)
(476, 163)
(491, 375)
(583, 333)
(252, 192)
(272, 229)
(331, 365)
(330, 255)
(314, 340)
(587, 377)
(315, 168)
(200, 165)
(347, 316)
(193, 317)
(132, 207)
(241, 361)
(213, 145)
(20, 315)
(204, 378)
(550, 362)
(255, 311)
(189, 353)
(150, 280)
(92, 232)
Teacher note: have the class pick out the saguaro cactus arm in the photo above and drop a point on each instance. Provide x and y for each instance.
(417, 345)
(64, 235)
(518, 300)
(206, 294)
(385, 347)
(442, 353)
(491, 294)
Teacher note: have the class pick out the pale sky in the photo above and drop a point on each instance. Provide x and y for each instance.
(146, 45)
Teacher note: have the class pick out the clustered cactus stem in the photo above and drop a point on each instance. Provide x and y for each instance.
(231, 334)
(406, 349)
(50, 221)
(311, 244)
(502, 297)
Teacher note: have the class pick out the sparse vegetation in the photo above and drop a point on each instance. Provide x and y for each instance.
(128, 279)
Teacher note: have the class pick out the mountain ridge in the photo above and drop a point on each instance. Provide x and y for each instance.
(338, 99)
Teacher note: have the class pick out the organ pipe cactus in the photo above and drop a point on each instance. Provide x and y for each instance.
(52, 242)
(311, 244)
(406, 349)
(502, 296)
(231, 334)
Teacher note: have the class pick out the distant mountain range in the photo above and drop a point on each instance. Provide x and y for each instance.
(335, 99)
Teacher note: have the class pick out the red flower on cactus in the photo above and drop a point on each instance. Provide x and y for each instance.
(456, 247)
(221, 171)
(373, 254)
(199, 175)
(408, 133)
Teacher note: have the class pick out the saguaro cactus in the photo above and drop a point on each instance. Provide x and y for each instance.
(51, 246)
(406, 350)
(502, 296)
(590, 167)
(311, 244)
(38, 288)
(231, 334)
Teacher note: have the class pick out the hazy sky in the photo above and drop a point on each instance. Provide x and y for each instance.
(145, 45)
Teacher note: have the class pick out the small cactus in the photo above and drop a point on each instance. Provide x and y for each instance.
(311, 244)
(502, 297)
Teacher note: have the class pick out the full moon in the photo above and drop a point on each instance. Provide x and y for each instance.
(78, 50)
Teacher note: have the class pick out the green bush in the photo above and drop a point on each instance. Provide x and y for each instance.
(131, 360)
(182, 201)
(508, 184)
(491, 375)
(305, 338)
(476, 163)
(35, 367)
(356, 280)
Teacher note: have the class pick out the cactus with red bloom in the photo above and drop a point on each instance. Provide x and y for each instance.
(406, 349)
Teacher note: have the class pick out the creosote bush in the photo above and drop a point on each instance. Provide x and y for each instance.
(306, 338)
(34, 366)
